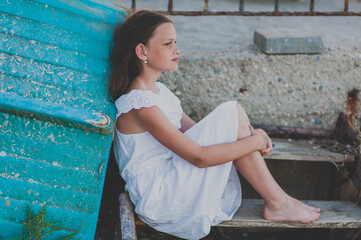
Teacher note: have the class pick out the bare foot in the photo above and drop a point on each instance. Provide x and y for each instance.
(291, 210)
(317, 210)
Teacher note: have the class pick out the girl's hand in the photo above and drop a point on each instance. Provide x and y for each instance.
(267, 148)
(261, 137)
(269, 142)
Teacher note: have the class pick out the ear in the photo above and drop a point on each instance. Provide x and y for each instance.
(140, 51)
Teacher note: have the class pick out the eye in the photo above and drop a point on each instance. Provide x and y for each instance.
(170, 43)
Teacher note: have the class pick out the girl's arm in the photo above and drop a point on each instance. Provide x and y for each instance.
(153, 120)
(186, 123)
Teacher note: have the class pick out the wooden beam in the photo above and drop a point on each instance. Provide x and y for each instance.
(303, 150)
(127, 218)
(334, 214)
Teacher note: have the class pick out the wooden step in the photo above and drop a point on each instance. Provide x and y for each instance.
(334, 214)
(304, 150)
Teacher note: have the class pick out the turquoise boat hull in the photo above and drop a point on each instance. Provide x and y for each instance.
(56, 120)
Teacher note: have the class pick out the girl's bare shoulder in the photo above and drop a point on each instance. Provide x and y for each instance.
(133, 122)
(127, 123)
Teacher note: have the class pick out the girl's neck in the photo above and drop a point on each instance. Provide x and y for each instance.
(146, 81)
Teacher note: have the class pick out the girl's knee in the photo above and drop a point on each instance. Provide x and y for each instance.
(243, 123)
(242, 115)
(243, 131)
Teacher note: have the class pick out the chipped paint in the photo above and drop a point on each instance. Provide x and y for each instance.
(103, 120)
(42, 110)
(56, 121)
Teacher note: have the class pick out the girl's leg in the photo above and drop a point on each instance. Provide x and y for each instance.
(278, 205)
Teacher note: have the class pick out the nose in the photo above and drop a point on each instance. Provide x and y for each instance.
(176, 49)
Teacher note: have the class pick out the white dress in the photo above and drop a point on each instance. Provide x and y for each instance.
(170, 194)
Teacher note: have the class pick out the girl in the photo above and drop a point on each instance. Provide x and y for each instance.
(181, 175)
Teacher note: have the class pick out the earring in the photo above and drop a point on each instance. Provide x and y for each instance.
(145, 61)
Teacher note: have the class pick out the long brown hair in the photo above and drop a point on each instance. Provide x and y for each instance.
(137, 28)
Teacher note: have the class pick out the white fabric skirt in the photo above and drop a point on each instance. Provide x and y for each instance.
(184, 200)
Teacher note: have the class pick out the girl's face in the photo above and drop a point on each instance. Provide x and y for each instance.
(162, 52)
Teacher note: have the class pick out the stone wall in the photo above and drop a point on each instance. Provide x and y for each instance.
(279, 90)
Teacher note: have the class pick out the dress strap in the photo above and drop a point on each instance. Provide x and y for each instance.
(168, 93)
(136, 99)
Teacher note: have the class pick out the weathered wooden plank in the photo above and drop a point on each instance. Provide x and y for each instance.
(296, 132)
(36, 193)
(59, 17)
(89, 158)
(74, 97)
(49, 74)
(101, 10)
(334, 214)
(41, 132)
(60, 114)
(53, 84)
(52, 54)
(10, 230)
(127, 218)
(49, 175)
(13, 212)
(53, 57)
(303, 150)
(52, 35)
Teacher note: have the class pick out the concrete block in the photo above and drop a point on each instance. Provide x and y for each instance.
(287, 42)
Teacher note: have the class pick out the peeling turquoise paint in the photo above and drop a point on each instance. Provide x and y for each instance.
(51, 54)
(64, 115)
(73, 20)
(56, 121)
(52, 35)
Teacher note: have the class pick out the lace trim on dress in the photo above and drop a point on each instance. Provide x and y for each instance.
(135, 99)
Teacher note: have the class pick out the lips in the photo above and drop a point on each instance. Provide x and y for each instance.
(175, 59)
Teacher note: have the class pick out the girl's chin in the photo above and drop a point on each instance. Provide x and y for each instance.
(173, 69)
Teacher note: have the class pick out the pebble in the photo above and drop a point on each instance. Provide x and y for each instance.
(318, 121)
